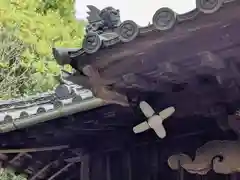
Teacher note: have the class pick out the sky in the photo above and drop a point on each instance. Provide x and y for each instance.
(140, 11)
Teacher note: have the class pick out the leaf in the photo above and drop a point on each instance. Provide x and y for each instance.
(37, 24)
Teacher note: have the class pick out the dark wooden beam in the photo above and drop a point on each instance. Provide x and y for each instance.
(42, 170)
(65, 168)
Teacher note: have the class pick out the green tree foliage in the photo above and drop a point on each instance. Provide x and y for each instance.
(38, 25)
(28, 29)
(9, 175)
(13, 74)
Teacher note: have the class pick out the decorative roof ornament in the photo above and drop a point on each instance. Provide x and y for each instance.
(209, 6)
(106, 29)
(154, 121)
(164, 19)
(94, 14)
(100, 20)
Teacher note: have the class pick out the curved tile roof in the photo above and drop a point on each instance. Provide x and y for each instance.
(54, 149)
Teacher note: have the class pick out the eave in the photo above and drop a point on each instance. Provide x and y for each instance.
(209, 45)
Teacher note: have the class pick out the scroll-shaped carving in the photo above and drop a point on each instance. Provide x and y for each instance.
(220, 156)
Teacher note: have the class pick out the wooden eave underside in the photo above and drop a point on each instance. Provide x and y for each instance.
(105, 136)
(166, 69)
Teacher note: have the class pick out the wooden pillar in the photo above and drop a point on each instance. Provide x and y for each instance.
(108, 167)
(155, 162)
(127, 163)
(85, 168)
(98, 167)
(235, 176)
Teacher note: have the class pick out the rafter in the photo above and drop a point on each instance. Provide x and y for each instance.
(19, 155)
(45, 168)
(61, 171)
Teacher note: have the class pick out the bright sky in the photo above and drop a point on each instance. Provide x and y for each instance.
(140, 11)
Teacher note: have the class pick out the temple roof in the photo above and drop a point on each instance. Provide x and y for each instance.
(193, 67)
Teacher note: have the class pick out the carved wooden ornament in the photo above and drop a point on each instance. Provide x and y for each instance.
(219, 156)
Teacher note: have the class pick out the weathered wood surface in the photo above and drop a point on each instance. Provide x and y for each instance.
(105, 134)
(195, 68)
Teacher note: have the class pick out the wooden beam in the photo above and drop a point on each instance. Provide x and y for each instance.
(74, 159)
(45, 168)
(14, 151)
(60, 171)
(99, 87)
(16, 157)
